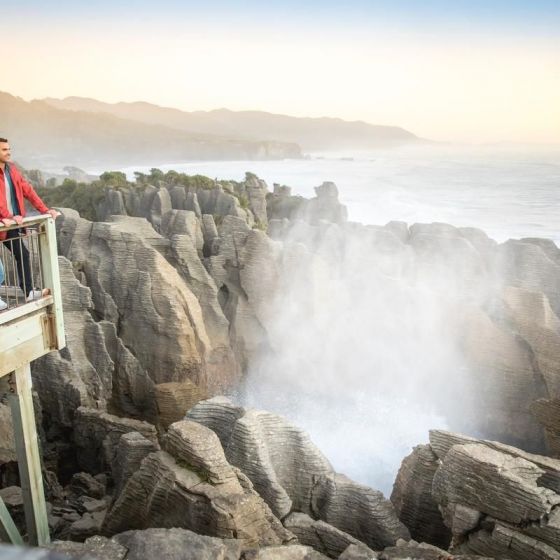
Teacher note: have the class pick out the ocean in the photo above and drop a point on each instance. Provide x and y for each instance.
(507, 191)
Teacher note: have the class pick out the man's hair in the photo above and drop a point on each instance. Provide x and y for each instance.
(3, 140)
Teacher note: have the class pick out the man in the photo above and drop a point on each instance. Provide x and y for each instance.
(13, 190)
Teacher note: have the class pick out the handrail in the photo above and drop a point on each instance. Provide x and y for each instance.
(26, 309)
(27, 221)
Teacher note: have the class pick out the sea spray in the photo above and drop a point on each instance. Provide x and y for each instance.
(361, 346)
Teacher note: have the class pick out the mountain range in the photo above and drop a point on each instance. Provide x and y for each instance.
(52, 133)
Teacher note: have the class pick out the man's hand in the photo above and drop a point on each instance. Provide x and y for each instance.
(54, 213)
(18, 220)
(8, 222)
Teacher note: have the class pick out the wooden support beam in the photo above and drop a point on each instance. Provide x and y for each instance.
(8, 529)
(27, 449)
(51, 275)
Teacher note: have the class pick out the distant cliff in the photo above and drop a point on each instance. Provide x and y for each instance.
(310, 133)
(44, 136)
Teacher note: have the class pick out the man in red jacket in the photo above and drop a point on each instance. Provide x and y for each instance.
(13, 190)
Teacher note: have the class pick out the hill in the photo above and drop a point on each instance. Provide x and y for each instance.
(49, 137)
(310, 133)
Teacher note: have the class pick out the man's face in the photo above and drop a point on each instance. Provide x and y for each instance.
(5, 154)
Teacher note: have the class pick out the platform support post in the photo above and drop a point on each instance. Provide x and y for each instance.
(29, 462)
(8, 529)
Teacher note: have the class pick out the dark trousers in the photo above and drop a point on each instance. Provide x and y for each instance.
(21, 254)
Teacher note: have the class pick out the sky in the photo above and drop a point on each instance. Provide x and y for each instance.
(461, 71)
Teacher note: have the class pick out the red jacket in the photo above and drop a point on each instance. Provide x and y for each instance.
(23, 190)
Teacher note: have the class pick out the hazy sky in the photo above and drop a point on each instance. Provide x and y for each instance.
(449, 70)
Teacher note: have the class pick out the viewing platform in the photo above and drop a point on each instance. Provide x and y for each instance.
(30, 327)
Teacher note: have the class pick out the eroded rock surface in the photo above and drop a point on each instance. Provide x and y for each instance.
(191, 485)
(292, 475)
(496, 500)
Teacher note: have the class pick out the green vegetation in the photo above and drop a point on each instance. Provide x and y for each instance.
(260, 225)
(243, 201)
(86, 197)
(114, 179)
(82, 197)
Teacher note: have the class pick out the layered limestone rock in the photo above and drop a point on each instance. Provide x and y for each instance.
(500, 541)
(474, 478)
(143, 326)
(547, 412)
(190, 484)
(152, 543)
(255, 191)
(246, 200)
(447, 253)
(501, 365)
(97, 436)
(7, 444)
(174, 399)
(183, 222)
(358, 510)
(506, 324)
(184, 256)
(220, 295)
(98, 548)
(325, 205)
(293, 552)
(321, 536)
(422, 551)
(135, 288)
(131, 450)
(280, 459)
(534, 265)
(176, 543)
(497, 501)
(281, 205)
(500, 359)
(170, 301)
(413, 500)
(95, 369)
(244, 269)
(532, 317)
(292, 475)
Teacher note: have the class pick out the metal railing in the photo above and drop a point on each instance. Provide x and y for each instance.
(21, 262)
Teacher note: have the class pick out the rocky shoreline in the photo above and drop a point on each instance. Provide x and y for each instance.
(169, 298)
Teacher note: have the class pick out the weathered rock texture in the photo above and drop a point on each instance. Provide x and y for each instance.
(176, 544)
(413, 501)
(176, 288)
(496, 500)
(191, 485)
(415, 551)
(169, 301)
(321, 536)
(280, 459)
(97, 435)
(292, 475)
(547, 412)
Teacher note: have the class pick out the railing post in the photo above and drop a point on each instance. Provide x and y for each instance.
(29, 462)
(51, 275)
